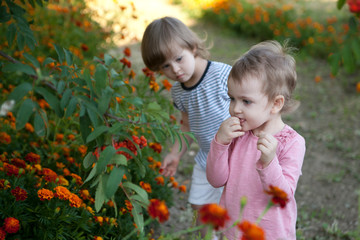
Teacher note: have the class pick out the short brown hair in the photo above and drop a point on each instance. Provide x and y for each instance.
(271, 63)
(161, 35)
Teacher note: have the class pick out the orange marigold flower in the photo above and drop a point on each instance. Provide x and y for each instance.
(5, 138)
(11, 225)
(158, 209)
(62, 193)
(49, 175)
(78, 179)
(175, 184)
(278, 196)
(19, 194)
(150, 159)
(132, 74)
(159, 180)
(167, 84)
(82, 149)
(11, 170)
(318, 79)
(358, 87)
(63, 181)
(213, 214)
(45, 194)
(84, 194)
(251, 231)
(146, 186)
(29, 127)
(127, 52)
(32, 157)
(182, 188)
(155, 146)
(59, 137)
(18, 162)
(74, 200)
(71, 137)
(97, 238)
(128, 205)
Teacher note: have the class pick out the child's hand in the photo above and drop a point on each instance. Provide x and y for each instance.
(267, 145)
(229, 129)
(169, 165)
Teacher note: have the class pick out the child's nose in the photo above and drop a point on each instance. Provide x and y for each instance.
(175, 68)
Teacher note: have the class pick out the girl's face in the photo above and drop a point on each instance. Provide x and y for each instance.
(180, 66)
(249, 104)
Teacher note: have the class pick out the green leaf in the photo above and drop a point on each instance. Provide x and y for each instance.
(32, 59)
(355, 45)
(60, 53)
(91, 174)
(108, 59)
(138, 216)
(96, 133)
(105, 100)
(100, 78)
(93, 116)
(48, 60)
(340, 4)
(141, 192)
(23, 115)
(19, 67)
(85, 125)
(104, 158)
(334, 60)
(348, 59)
(71, 107)
(4, 15)
(65, 98)
(20, 91)
(118, 159)
(69, 57)
(154, 106)
(60, 86)
(89, 160)
(11, 33)
(20, 40)
(51, 99)
(114, 180)
(100, 193)
(40, 123)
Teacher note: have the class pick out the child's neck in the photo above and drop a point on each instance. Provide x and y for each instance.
(200, 67)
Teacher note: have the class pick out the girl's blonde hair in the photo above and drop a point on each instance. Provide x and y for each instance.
(271, 63)
(159, 39)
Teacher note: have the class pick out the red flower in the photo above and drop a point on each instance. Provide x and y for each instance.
(127, 52)
(125, 62)
(11, 225)
(167, 84)
(251, 231)
(214, 215)
(5, 138)
(84, 47)
(49, 175)
(33, 158)
(148, 72)
(11, 170)
(354, 6)
(19, 194)
(2, 234)
(278, 196)
(18, 162)
(156, 147)
(158, 209)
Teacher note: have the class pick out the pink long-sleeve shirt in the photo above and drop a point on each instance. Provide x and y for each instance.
(235, 167)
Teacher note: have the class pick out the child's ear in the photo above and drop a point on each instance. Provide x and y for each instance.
(278, 104)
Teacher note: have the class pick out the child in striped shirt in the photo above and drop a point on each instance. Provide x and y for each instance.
(199, 92)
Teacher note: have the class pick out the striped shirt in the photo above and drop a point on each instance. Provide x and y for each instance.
(207, 105)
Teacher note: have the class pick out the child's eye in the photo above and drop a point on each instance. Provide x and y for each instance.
(165, 66)
(247, 102)
(179, 59)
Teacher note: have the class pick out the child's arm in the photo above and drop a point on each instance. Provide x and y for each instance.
(172, 159)
(217, 168)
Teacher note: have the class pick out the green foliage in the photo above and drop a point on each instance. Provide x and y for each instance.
(98, 127)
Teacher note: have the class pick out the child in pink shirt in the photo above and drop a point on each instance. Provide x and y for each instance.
(254, 148)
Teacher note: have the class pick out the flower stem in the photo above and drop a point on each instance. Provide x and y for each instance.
(269, 205)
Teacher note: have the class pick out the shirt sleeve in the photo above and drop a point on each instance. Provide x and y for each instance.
(217, 165)
(285, 169)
